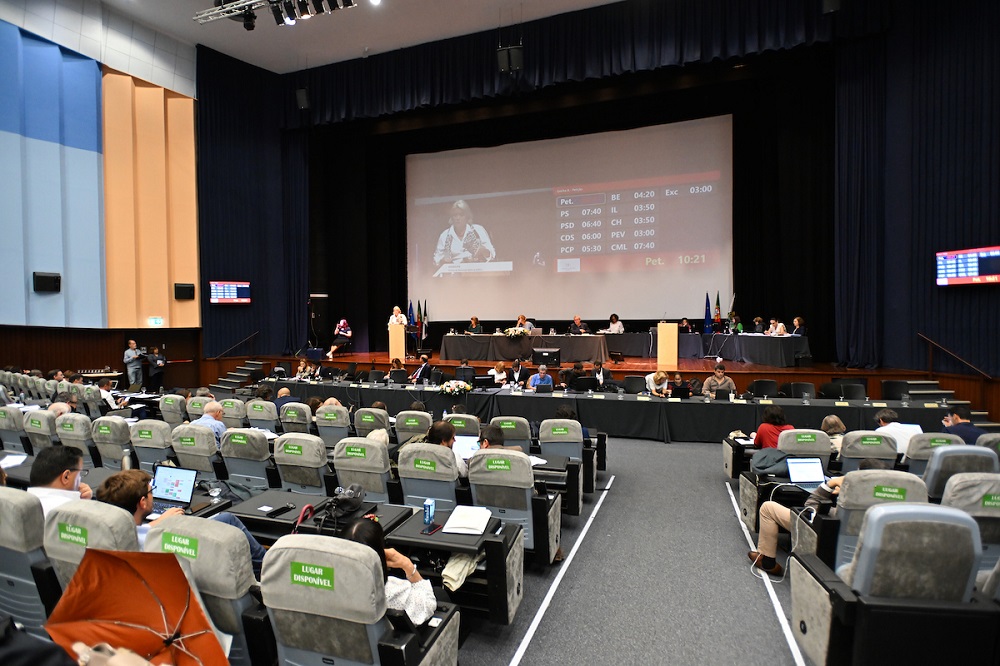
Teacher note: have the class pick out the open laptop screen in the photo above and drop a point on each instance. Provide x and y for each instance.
(805, 470)
(174, 484)
(465, 445)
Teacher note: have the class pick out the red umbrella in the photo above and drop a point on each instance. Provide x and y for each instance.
(140, 601)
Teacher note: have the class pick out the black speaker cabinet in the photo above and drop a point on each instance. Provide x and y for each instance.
(183, 291)
(47, 281)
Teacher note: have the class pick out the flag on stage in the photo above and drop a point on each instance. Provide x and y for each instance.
(420, 322)
(708, 314)
(718, 309)
(427, 321)
(410, 317)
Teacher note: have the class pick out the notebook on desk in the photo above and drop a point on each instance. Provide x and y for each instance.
(806, 473)
(172, 487)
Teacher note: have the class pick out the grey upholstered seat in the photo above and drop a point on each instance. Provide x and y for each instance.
(333, 423)
(301, 461)
(561, 437)
(326, 600)
(921, 445)
(75, 430)
(465, 424)
(805, 443)
(173, 408)
(365, 461)
(990, 440)
(860, 444)
(410, 424)
(21, 528)
(978, 494)
(113, 440)
(234, 413)
(865, 488)
(516, 430)
(948, 460)
(247, 458)
(196, 406)
(295, 417)
(12, 432)
(195, 448)
(92, 401)
(367, 419)
(262, 414)
(152, 442)
(427, 470)
(218, 557)
(40, 425)
(73, 527)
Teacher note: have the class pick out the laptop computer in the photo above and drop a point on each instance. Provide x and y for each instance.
(172, 487)
(543, 388)
(806, 473)
(680, 392)
(722, 394)
(465, 445)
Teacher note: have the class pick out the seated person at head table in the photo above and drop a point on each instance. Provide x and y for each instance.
(396, 364)
(685, 326)
(567, 375)
(397, 317)
(522, 322)
(491, 437)
(540, 377)
(341, 336)
(412, 595)
(773, 515)
(132, 490)
(679, 382)
(615, 326)
(423, 371)
(498, 372)
(835, 429)
(463, 240)
(800, 326)
(777, 328)
(518, 374)
(735, 325)
(303, 368)
(772, 426)
(888, 423)
(719, 380)
(958, 422)
(758, 325)
(657, 383)
(578, 327)
(464, 363)
(57, 477)
(474, 326)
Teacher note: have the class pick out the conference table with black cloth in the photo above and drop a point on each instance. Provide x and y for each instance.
(632, 344)
(641, 417)
(572, 348)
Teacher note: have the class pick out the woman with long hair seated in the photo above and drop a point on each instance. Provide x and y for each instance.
(499, 373)
(413, 594)
(771, 428)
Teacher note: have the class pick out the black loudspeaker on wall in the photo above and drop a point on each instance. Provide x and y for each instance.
(183, 291)
(302, 98)
(47, 281)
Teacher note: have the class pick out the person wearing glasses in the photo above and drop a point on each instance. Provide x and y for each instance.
(57, 477)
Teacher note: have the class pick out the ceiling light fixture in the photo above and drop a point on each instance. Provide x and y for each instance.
(283, 10)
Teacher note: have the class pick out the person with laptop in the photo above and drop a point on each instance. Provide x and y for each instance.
(774, 515)
(104, 386)
(540, 378)
(443, 433)
(717, 381)
(771, 428)
(679, 387)
(518, 375)
(133, 489)
(57, 477)
(603, 376)
(492, 438)
(211, 418)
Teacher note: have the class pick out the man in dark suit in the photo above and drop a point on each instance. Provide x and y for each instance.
(423, 372)
(517, 374)
(284, 397)
(578, 327)
(603, 376)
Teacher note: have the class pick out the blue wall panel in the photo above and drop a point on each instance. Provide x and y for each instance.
(51, 181)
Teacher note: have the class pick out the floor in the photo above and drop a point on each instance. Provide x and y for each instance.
(659, 575)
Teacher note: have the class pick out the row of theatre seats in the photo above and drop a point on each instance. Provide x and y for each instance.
(345, 622)
(910, 553)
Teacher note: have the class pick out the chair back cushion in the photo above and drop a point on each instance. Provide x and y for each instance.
(194, 440)
(513, 427)
(298, 449)
(422, 460)
(333, 416)
(361, 454)
(40, 422)
(261, 410)
(945, 461)
(74, 427)
(73, 527)
(868, 444)
(21, 520)
(801, 442)
(923, 444)
(492, 467)
(296, 412)
(245, 443)
(150, 433)
(560, 430)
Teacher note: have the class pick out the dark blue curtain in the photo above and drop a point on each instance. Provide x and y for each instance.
(252, 202)
(605, 41)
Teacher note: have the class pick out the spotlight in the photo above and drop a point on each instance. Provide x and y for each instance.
(249, 20)
(276, 10)
(319, 8)
(304, 12)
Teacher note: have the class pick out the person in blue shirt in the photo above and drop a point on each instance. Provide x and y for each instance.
(540, 377)
(211, 417)
(959, 422)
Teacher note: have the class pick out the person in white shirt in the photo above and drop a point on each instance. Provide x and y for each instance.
(104, 385)
(397, 317)
(615, 326)
(888, 423)
(658, 382)
(56, 477)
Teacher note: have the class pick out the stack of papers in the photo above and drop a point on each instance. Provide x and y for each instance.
(467, 520)
(12, 460)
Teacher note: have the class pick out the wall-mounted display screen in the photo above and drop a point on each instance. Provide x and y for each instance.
(979, 265)
(229, 292)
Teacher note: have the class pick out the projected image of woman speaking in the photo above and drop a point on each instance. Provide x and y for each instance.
(463, 240)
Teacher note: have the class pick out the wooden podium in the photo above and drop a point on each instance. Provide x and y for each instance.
(397, 341)
(666, 346)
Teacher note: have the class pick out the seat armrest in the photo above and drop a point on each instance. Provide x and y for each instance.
(219, 465)
(842, 598)
(395, 490)
(261, 643)
(330, 481)
(47, 584)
